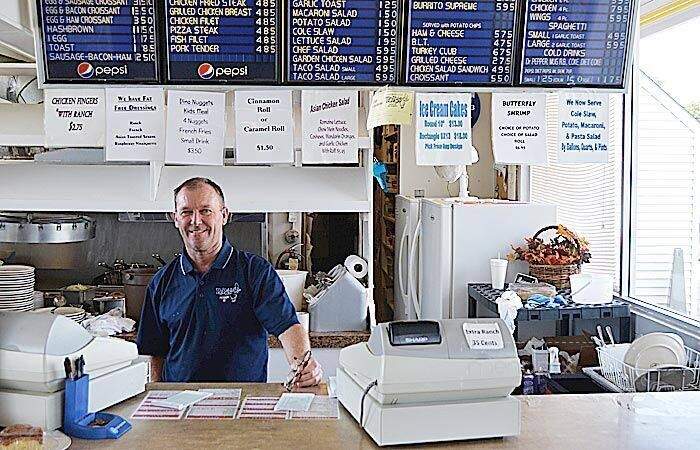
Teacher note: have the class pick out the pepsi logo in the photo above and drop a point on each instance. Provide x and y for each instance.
(85, 70)
(205, 71)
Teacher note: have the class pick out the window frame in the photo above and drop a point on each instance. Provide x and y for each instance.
(661, 315)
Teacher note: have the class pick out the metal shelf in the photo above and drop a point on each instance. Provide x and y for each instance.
(108, 188)
(45, 229)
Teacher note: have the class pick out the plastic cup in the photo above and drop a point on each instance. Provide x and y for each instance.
(498, 273)
(304, 320)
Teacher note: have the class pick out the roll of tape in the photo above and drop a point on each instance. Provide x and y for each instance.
(356, 266)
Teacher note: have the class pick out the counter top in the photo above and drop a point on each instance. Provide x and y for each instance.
(590, 421)
(331, 339)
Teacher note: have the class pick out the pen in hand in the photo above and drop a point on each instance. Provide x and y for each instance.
(298, 370)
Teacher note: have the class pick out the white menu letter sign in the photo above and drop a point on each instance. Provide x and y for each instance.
(443, 129)
(135, 124)
(583, 128)
(74, 118)
(519, 128)
(196, 127)
(329, 127)
(264, 127)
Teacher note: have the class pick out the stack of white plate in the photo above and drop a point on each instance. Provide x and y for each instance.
(656, 349)
(16, 288)
(76, 314)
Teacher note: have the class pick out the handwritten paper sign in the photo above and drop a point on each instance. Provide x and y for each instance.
(264, 127)
(483, 336)
(583, 128)
(390, 107)
(443, 129)
(519, 128)
(135, 124)
(196, 127)
(329, 127)
(74, 118)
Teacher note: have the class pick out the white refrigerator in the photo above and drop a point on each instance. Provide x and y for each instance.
(444, 244)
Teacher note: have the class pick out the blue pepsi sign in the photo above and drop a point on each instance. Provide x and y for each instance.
(343, 42)
(223, 41)
(98, 41)
(457, 42)
(576, 43)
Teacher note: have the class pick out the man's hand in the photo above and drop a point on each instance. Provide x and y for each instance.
(157, 363)
(295, 341)
(311, 375)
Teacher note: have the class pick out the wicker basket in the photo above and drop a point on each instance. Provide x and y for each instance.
(555, 275)
(558, 276)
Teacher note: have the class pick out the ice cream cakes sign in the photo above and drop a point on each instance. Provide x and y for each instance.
(329, 127)
(443, 129)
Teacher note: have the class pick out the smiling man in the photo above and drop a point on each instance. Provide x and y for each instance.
(207, 314)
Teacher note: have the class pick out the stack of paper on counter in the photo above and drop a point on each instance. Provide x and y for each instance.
(223, 404)
(147, 410)
(261, 408)
(322, 407)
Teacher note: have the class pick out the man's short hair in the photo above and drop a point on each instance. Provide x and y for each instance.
(198, 181)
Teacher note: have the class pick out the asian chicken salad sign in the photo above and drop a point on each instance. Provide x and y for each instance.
(329, 127)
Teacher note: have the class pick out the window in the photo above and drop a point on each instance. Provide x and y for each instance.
(664, 245)
(662, 171)
(588, 196)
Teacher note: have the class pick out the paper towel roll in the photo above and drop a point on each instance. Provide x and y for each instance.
(356, 266)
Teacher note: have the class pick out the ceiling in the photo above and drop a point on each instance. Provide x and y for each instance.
(658, 15)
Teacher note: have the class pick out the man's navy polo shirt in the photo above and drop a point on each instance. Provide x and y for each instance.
(214, 327)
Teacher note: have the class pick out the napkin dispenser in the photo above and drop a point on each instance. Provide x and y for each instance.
(340, 303)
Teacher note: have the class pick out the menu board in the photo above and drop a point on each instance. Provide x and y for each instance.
(576, 42)
(220, 41)
(343, 41)
(99, 41)
(458, 42)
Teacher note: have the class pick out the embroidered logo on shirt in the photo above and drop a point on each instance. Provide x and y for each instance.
(228, 294)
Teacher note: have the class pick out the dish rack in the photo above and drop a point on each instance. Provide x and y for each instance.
(628, 378)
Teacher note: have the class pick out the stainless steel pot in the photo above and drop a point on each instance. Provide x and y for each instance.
(135, 284)
(105, 304)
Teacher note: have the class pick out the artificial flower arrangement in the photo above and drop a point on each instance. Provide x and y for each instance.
(565, 248)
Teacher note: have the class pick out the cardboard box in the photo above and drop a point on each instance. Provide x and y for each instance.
(572, 345)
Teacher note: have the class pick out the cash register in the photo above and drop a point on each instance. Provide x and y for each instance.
(428, 381)
(33, 350)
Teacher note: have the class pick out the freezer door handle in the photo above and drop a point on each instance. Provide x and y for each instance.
(404, 239)
(411, 263)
